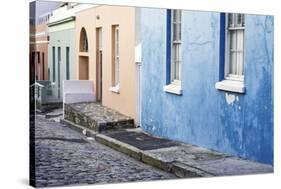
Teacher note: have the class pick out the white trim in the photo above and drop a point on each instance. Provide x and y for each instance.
(176, 46)
(235, 77)
(173, 88)
(228, 62)
(38, 34)
(231, 85)
(138, 53)
(116, 55)
(115, 89)
(38, 42)
(236, 28)
(61, 27)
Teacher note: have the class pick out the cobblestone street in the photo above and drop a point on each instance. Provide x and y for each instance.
(66, 157)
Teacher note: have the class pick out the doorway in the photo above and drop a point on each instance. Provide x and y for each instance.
(83, 68)
(99, 64)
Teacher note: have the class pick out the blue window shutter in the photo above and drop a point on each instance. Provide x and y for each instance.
(222, 46)
(168, 47)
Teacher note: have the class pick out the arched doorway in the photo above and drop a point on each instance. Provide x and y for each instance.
(83, 56)
(83, 41)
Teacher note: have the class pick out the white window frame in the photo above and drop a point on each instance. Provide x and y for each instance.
(116, 84)
(176, 42)
(176, 49)
(234, 82)
(239, 65)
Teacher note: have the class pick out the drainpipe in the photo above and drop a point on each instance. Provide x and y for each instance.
(138, 66)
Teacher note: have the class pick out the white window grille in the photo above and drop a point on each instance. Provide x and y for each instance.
(234, 67)
(116, 56)
(176, 47)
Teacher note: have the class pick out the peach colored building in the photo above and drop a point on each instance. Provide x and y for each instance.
(105, 54)
(39, 48)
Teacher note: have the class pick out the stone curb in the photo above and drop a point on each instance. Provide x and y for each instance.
(47, 116)
(120, 146)
(87, 132)
(178, 169)
(182, 170)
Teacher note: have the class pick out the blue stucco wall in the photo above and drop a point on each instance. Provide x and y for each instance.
(203, 115)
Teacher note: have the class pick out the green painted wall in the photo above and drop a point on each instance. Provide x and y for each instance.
(62, 39)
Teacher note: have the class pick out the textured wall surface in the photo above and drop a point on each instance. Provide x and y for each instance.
(125, 100)
(237, 124)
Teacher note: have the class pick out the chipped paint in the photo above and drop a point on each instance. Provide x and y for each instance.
(236, 124)
(230, 98)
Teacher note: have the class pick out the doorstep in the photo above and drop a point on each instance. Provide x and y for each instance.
(96, 117)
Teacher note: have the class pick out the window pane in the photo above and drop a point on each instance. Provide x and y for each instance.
(243, 20)
(174, 32)
(240, 46)
(232, 40)
(236, 20)
(230, 20)
(175, 16)
(177, 59)
(236, 44)
(116, 70)
(179, 32)
(179, 16)
(116, 55)
(176, 25)
(176, 46)
(117, 42)
(176, 70)
(178, 52)
(239, 19)
(232, 62)
(232, 54)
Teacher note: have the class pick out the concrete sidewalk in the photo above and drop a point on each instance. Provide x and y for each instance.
(183, 160)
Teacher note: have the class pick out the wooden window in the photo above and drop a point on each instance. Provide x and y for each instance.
(116, 55)
(176, 47)
(174, 60)
(234, 63)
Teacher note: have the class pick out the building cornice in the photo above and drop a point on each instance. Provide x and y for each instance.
(62, 21)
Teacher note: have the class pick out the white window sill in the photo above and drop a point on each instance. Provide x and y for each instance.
(172, 88)
(115, 89)
(231, 85)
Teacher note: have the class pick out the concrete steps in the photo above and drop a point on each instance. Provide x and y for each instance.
(96, 117)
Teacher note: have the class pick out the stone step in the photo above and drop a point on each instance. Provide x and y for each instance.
(96, 117)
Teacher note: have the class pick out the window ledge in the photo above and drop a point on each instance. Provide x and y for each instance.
(115, 89)
(232, 86)
(172, 88)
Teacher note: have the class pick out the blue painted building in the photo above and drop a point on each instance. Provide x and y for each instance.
(207, 80)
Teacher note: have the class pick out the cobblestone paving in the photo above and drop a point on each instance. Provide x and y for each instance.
(66, 157)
